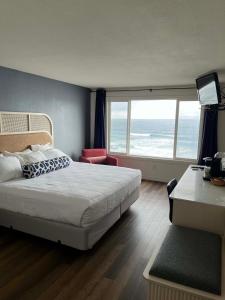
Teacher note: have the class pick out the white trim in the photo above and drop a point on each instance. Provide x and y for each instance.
(128, 126)
(176, 128)
(108, 129)
(200, 129)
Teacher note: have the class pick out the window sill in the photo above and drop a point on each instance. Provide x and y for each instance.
(154, 159)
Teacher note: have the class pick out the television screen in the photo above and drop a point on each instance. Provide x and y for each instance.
(208, 89)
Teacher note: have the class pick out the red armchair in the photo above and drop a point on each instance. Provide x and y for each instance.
(98, 156)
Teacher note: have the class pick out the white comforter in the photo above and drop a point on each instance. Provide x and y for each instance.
(79, 195)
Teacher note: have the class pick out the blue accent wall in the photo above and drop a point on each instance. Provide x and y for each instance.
(68, 106)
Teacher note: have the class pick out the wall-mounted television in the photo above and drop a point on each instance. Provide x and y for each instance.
(208, 88)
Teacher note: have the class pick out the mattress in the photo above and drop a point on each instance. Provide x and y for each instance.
(79, 195)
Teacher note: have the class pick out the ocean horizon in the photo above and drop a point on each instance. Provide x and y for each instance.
(155, 137)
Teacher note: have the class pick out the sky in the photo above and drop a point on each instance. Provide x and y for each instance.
(155, 109)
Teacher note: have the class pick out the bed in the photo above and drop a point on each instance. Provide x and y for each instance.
(75, 205)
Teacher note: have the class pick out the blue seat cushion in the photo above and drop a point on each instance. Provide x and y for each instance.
(190, 257)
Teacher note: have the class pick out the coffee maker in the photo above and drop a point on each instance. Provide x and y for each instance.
(218, 165)
(214, 167)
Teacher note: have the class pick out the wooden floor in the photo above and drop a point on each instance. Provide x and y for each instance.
(33, 268)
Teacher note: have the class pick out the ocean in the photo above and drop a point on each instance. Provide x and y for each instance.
(155, 137)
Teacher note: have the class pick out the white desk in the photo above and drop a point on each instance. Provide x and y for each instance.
(199, 203)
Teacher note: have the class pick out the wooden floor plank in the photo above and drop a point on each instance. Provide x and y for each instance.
(35, 269)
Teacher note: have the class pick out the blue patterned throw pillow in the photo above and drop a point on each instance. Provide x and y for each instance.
(45, 166)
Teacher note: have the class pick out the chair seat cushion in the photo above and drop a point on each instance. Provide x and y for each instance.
(97, 159)
(190, 257)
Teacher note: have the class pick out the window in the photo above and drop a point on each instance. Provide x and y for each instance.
(188, 129)
(118, 132)
(155, 128)
(152, 127)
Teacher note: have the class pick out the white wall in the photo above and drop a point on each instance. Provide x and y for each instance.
(158, 169)
(155, 169)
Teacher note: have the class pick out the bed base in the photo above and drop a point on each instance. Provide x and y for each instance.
(73, 236)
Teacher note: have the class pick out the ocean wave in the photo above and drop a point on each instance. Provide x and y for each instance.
(140, 134)
(167, 135)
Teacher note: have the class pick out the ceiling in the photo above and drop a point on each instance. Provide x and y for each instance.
(114, 43)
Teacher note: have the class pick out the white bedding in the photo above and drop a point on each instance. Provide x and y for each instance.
(79, 195)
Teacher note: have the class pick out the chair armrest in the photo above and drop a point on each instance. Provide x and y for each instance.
(85, 160)
(111, 160)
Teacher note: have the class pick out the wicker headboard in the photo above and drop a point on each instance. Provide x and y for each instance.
(20, 130)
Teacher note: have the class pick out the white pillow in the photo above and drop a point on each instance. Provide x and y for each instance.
(10, 168)
(39, 147)
(27, 157)
(53, 153)
(18, 155)
(33, 157)
(25, 151)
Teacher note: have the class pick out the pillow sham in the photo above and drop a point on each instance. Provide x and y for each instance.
(33, 157)
(18, 155)
(44, 167)
(10, 168)
(53, 153)
(41, 147)
(27, 157)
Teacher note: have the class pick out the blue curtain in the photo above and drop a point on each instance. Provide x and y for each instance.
(209, 135)
(100, 113)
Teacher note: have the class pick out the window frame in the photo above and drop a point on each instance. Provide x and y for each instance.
(140, 98)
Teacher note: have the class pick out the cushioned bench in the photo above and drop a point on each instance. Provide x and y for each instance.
(188, 258)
